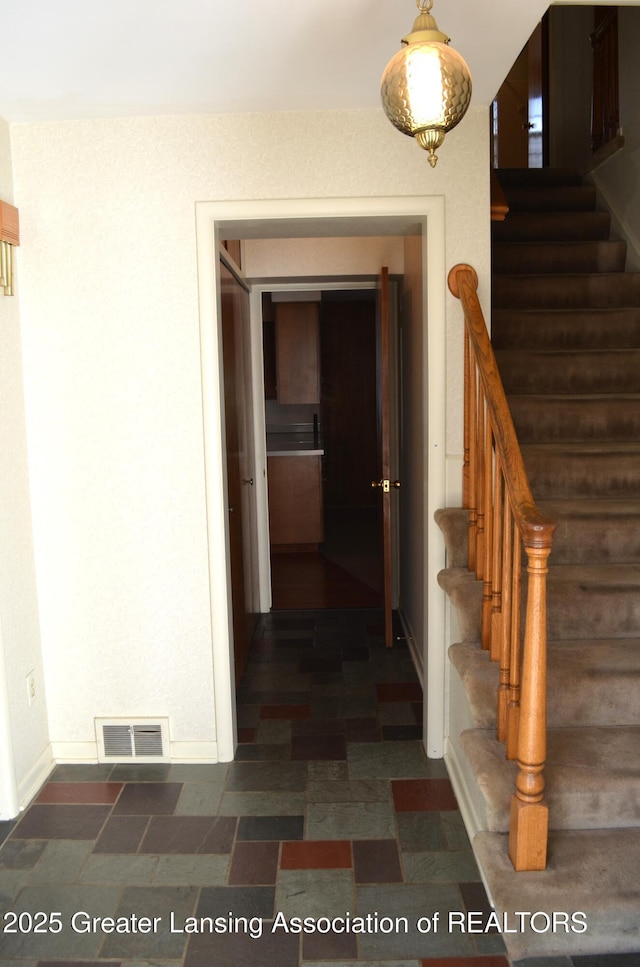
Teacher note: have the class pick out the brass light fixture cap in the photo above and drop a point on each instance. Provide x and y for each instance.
(426, 86)
(425, 31)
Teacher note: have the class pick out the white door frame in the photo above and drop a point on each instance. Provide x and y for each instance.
(315, 218)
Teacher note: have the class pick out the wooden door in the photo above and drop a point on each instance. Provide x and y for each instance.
(519, 135)
(385, 484)
(235, 341)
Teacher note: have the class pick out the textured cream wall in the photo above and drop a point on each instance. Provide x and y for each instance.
(300, 257)
(19, 627)
(110, 320)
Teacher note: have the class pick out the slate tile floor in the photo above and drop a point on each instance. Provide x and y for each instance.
(330, 810)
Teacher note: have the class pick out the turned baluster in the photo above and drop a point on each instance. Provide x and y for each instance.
(497, 563)
(513, 710)
(529, 812)
(487, 571)
(471, 424)
(505, 637)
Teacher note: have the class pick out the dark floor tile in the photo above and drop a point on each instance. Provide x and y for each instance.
(270, 828)
(189, 834)
(608, 960)
(263, 777)
(285, 643)
(248, 716)
(414, 795)
(67, 900)
(254, 864)
(305, 747)
(80, 792)
(420, 832)
(243, 901)
(148, 799)
(263, 752)
(170, 904)
(79, 963)
(363, 730)
(122, 834)
(399, 692)
(247, 734)
(21, 854)
(355, 653)
(316, 855)
(242, 950)
(408, 733)
(376, 861)
(330, 946)
(61, 822)
(318, 727)
(81, 772)
(278, 697)
(140, 772)
(314, 663)
(285, 711)
(544, 962)
(6, 825)
(474, 897)
(490, 961)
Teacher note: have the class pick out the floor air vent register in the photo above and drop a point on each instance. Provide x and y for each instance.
(127, 740)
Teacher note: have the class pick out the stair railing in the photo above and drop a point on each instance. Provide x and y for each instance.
(503, 520)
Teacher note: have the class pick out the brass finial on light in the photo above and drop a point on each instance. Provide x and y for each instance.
(426, 86)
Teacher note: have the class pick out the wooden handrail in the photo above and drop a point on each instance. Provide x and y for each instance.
(503, 520)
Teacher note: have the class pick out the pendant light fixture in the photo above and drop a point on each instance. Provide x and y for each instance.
(426, 86)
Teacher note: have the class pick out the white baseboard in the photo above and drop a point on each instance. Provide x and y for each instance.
(35, 777)
(194, 752)
(415, 646)
(465, 790)
(183, 752)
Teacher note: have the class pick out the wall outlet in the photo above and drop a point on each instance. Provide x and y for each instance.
(31, 687)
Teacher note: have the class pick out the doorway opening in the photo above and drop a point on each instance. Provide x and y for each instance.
(325, 533)
(313, 218)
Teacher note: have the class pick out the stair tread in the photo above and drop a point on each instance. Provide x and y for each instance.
(585, 447)
(578, 671)
(592, 776)
(595, 869)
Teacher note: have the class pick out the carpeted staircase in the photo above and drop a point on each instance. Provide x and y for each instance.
(566, 332)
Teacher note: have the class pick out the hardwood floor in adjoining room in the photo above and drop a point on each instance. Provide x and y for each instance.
(309, 580)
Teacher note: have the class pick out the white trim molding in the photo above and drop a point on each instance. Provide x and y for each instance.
(313, 218)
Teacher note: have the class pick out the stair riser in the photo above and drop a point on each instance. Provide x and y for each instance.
(539, 178)
(568, 330)
(599, 541)
(576, 611)
(544, 420)
(579, 198)
(580, 795)
(566, 291)
(541, 259)
(565, 474)
(571, 373)
(591, 683)
(532, 227)
(607, 537)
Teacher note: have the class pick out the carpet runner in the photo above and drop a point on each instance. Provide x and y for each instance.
(566, 332)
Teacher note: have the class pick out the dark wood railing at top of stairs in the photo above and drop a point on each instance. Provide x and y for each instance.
(502, 520)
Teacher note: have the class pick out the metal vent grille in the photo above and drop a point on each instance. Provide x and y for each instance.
(138, 739)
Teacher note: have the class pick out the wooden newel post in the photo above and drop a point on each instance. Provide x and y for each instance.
(529, 812)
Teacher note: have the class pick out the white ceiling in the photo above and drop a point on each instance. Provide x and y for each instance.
(82, 58)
